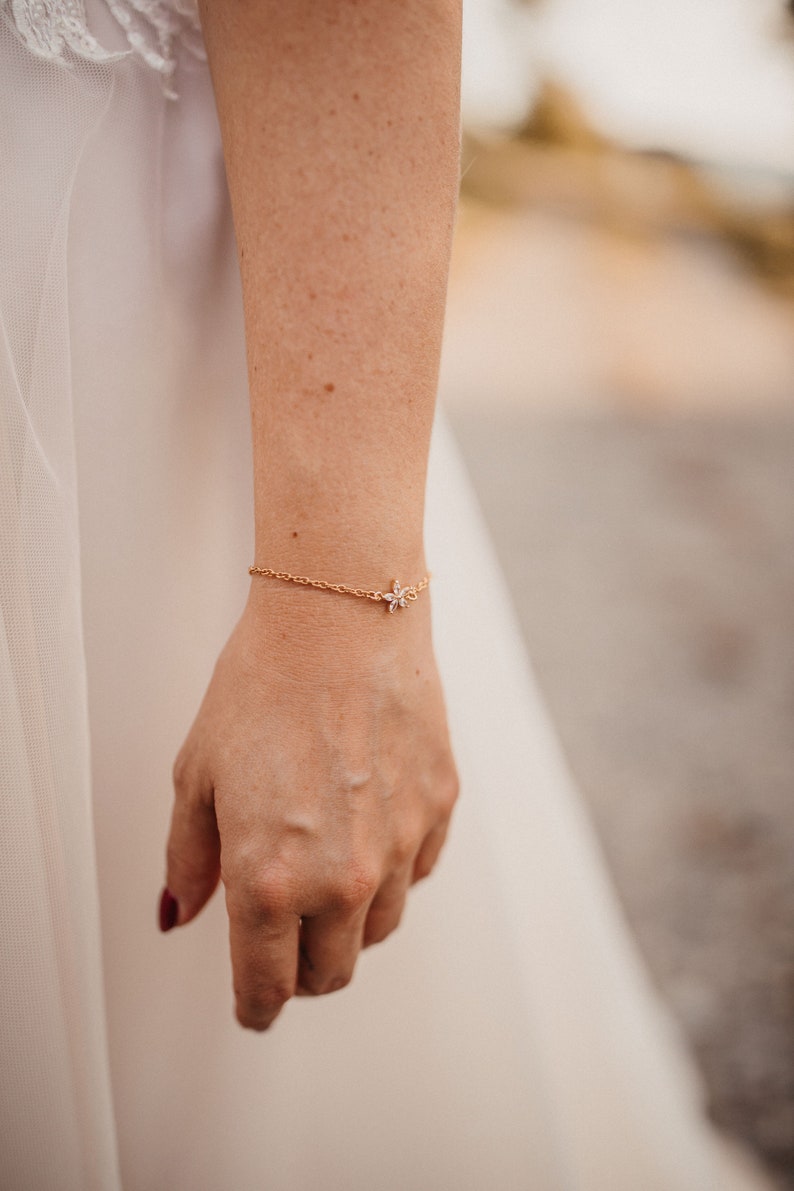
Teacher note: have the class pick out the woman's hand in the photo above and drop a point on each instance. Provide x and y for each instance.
(317, 781)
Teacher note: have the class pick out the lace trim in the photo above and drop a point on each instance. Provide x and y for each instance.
(153, 29)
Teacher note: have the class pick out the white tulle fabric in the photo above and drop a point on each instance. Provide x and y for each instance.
(505, 1037)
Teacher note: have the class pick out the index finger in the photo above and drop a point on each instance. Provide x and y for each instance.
(264, 950)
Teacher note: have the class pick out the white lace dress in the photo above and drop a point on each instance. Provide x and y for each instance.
(506, 1036)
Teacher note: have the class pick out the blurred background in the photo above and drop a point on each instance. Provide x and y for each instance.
(619, 370)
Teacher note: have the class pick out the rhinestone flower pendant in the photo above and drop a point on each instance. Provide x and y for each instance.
(396, 597)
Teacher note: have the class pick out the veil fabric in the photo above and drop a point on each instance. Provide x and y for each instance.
(506, 1035)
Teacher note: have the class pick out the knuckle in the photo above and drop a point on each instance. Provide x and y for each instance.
(271, 894)
(423, 867)
(404, 847)
(181, 773)
(269, 899)
(278, 994)
(319, 988)
(339, 982)
(253, 1018)
(357, 886)
(448, 793)
(249, 1020)
(267, 893)
(193, 788)
(258, 1011)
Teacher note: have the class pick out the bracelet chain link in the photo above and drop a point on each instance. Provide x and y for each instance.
(398, 597)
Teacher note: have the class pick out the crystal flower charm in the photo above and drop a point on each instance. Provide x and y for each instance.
(396, 596)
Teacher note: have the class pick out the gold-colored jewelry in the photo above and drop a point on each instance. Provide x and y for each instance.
(398, 597)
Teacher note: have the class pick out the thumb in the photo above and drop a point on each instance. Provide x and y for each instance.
(193, 855)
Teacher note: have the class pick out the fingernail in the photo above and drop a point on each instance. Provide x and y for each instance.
(169, 910)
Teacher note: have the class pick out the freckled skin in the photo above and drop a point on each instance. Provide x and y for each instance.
(318, 767)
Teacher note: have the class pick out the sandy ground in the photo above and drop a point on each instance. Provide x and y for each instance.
(627, 412)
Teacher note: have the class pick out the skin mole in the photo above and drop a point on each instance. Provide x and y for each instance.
(329, 388)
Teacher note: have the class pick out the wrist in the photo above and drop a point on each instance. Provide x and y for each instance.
(341, 522)
(314, 629)
(359, 557)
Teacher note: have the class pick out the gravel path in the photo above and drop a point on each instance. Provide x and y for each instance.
(652, 565)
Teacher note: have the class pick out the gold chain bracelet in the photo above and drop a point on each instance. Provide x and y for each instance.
(398, 597)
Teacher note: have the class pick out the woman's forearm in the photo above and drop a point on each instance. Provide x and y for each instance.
(317, 780)
(340, 127)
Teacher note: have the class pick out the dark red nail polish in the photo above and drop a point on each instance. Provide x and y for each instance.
(169, 910)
